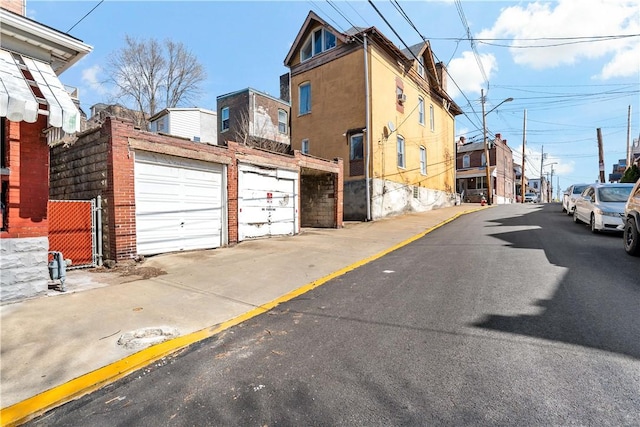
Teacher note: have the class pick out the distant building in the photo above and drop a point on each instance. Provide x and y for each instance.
(254, 118)
(195, 124)
(471, 171)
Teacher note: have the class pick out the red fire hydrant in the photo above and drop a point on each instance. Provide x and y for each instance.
(483, 201)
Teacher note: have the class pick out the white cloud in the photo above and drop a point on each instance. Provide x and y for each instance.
(90, 78)
(571, 18)
(466, 73)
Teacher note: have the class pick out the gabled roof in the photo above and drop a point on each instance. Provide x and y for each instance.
(311, 21)
(404, 57)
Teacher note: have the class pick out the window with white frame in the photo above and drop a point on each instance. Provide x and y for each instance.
(432, 118)
(283, 119)
(421, 67)
(305, 146)
(423, 160)
(305, 98)
(481, 182)
(224, 119)
(356, 150)
(466, 161)
(421, 110)
(319, 41)
(400, 150)
(483, 160)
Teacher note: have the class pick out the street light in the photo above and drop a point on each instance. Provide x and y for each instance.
(486, 144)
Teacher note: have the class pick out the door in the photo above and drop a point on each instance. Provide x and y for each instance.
(179, 204)
(267, 202)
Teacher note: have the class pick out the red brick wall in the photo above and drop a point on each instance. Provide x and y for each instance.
(28, 162)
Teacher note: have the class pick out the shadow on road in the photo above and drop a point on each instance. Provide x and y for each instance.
(597, 302)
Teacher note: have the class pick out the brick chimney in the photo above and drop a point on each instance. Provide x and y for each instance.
(442, 74)
(15, 6)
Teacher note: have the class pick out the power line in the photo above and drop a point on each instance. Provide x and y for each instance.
(87, 14)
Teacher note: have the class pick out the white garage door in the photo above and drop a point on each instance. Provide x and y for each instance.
(178, 204)
(267, 202)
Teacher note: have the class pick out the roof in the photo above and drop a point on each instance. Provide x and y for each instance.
(250, 89)
(404, 57)
(471, 146)
(474, 172)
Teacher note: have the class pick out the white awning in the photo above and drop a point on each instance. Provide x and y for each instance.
(18, 101)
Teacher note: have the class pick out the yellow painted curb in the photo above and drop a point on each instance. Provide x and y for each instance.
(28, 409)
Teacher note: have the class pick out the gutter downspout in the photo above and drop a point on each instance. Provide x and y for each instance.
(367, 177)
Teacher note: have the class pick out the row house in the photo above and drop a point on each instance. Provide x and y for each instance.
(356, 96)
(34, 104)
(471, 175)
(254, 118)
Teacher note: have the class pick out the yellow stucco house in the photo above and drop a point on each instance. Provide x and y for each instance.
(384, 110)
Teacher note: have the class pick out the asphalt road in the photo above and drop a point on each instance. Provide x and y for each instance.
(509, 316)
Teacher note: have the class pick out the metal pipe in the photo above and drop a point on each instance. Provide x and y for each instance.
(367, 129)
(99, 229)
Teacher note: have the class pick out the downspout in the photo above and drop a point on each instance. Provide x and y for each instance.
(367, 128)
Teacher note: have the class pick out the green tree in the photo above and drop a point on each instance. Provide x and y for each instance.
(632, 174)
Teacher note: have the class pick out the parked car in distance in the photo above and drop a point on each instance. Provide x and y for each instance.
(631, 235)
(531, 198)
(570, 196)
(602, 206)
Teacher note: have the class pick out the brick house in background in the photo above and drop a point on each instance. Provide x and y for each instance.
(33, 104)
(356, 96)
(254, 118)
(471, 171)
(163, 194)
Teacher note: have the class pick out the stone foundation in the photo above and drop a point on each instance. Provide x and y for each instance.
(23, 267)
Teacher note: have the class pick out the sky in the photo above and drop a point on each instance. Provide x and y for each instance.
(572, 66)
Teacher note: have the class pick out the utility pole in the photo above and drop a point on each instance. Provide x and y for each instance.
(541, 174)
(600, 155)
(487, 159)
(551, 185)
(628, 165)
(524, 139)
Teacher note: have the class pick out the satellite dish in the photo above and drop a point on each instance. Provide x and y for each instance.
(391, 126)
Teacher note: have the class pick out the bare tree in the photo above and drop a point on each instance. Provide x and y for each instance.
(153, 75)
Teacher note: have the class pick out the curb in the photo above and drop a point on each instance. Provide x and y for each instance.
(32, 407)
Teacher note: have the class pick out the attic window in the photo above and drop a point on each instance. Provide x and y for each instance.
(320, 40)
(421, 67)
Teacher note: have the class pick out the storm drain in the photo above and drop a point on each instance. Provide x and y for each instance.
(147, 337)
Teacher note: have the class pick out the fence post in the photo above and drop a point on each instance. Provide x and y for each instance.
(99, 230)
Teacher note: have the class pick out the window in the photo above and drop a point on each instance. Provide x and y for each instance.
(356, 151)
(3, 144)
(401, 163)
(282, 121)
(423, 160)
(432, 119)
(466, 161)
(481, 182)
(160, 124)
(421, 111)
(320, 41)
(421, 67)
(305, 98)
(305, 146)
(483, 160)
(224, 116)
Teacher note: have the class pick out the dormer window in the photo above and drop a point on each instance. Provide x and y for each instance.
(320, 40)
(421, 67)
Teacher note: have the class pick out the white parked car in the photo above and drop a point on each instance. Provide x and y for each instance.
(602, 206)
(570, 196)
(531, 198)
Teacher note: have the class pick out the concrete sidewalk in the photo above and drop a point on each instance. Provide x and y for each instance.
(58, 347)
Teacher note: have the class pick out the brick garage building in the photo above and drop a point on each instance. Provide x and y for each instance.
(114, 159)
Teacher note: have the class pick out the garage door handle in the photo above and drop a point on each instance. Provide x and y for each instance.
(182, 224)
